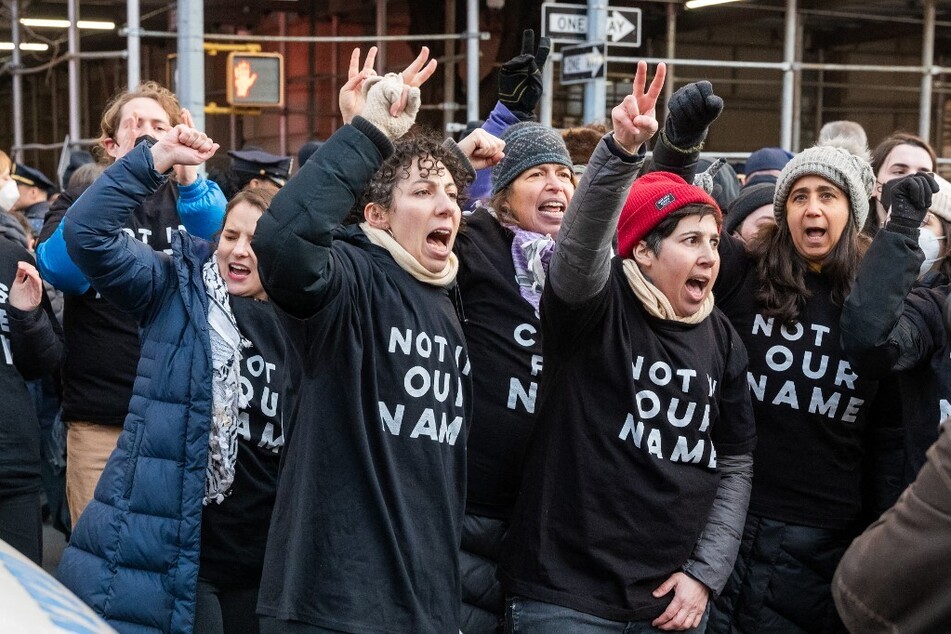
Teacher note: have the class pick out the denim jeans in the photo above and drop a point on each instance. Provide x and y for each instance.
(525, 616)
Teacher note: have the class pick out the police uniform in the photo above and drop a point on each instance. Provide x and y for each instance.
(249, 164)
(31, 177)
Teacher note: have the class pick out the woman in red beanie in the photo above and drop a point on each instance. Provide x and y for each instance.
(635, 486)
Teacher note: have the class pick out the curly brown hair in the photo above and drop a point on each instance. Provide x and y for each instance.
(428, 153)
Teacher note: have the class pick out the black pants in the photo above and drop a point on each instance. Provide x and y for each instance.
(221, 610)
(21, 524)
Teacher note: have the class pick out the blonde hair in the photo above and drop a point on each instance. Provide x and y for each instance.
(5, 163)
(112, 115)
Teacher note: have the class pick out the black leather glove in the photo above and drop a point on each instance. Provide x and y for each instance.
(910, 198)
(692, 109)
(520, 79)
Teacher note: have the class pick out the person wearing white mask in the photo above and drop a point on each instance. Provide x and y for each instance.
(892, 321)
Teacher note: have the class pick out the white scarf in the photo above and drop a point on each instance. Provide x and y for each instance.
(226, 344)
(410, 264)
(655, 302)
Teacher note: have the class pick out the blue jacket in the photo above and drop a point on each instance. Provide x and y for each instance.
(201, 207)
(134, 554)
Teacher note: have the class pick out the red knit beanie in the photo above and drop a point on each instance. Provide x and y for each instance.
(652, 198)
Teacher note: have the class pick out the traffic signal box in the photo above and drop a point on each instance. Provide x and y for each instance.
(255, 80)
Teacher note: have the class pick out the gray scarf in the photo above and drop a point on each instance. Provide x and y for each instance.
(226, 344)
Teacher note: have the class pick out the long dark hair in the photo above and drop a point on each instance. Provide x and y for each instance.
(781, 270)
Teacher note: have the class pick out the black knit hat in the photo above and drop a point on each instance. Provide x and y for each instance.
(528, 144)
(750, 199)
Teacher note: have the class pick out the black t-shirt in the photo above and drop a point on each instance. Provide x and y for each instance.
(371, 495)
(505, 348)
(810, 405)
(19, 356)
(621, 475)
(234, 533)
(93, 390)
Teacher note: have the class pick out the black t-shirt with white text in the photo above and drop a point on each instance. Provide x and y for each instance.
(234, 533)
(621, 475)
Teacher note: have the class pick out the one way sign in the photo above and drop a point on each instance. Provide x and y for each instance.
(569, 23)
(583, 63)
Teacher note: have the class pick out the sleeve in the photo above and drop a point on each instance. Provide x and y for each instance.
(500, 119)
(715, 553)
(52, 260)
(201, 206)
(294, 236)
(735, 264)
(36, 340)
(667, 157)
(891, 577)
(128, 273)
(878, 331)
(581, 262)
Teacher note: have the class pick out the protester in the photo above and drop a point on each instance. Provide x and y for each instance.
(504, 251)
(892, 323)
(785, 298)
(750, 211)
(32, 347)
(598, 543)
(35, 189)
(251, 169)
(206, 414)
(846, 128)
(898, 155)
(96, 393)
(368, 517)
(764, 165)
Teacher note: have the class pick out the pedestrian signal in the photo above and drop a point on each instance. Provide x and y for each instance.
(255, 80)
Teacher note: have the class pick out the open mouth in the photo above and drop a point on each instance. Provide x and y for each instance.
(552, 207)
(697, 287)
(815, 234)
(238, 271)
(439, 239)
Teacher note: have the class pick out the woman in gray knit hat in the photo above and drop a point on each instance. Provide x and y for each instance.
(784, 295)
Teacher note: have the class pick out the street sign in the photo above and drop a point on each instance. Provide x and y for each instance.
(583, 63)
(566, 23)
(255, 79)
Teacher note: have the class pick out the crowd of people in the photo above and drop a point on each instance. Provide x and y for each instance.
(527, 381)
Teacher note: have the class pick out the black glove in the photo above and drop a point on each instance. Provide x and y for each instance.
(910, 198)
(692, 109)
(520, 79)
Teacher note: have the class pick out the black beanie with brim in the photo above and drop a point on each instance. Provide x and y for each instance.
(750, 199)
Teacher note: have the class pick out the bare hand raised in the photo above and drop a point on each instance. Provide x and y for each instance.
(635, 118)
(26, 292)
(351, 98)
(186, 174)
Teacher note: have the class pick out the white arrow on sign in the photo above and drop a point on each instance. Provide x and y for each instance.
(587, 64)
(618, 26)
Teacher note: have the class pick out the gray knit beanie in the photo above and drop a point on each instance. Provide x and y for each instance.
(528, 144)
(838, 160)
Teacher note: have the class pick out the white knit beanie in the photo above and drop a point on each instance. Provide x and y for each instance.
(941, 202)
(840, 162)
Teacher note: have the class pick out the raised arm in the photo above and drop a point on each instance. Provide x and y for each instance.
(127, 272)
(201, 203)
(36, 339)
(880, 331)
(581, 262)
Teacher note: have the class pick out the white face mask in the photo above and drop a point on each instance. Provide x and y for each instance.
(9, 195)
(931, 246)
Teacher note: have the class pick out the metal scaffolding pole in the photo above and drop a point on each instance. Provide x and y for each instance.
(927, 60)
(789, 76)
(380, 31)
(449, 68)
(191, 59)
(548, 88)
(472, 60)
(133, 43)
(595, 98)
(73, 65)
(671, 52)
(17, 82)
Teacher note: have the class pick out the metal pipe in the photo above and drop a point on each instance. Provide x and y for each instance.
(282, 122)
(73, 63)
(191, 59)
(373, 39)
(671, 53)
(133, 43)
(548, 88)
(595, 99)
(723, 63)
(789, 58)
(17, 82)
(797, 93)
(472, 60)
(63, 58)
(380, 32)
(927, 59)
(449, 66)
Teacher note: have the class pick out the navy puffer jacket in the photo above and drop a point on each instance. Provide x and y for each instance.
(134, 553)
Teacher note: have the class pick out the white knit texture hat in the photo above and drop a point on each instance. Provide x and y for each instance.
(941, 202)
(838, 161)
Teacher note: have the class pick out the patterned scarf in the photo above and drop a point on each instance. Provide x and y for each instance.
(655, 302)
(226, 344)
(531, 255)
(410, 264)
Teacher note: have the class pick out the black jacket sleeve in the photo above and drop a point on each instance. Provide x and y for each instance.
(36, 340)
(293, 238)
(878, 330)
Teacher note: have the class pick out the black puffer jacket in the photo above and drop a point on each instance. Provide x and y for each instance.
(483, 601)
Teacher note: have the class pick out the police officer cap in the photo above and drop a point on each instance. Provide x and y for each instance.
(33, 177)
(259, 164)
